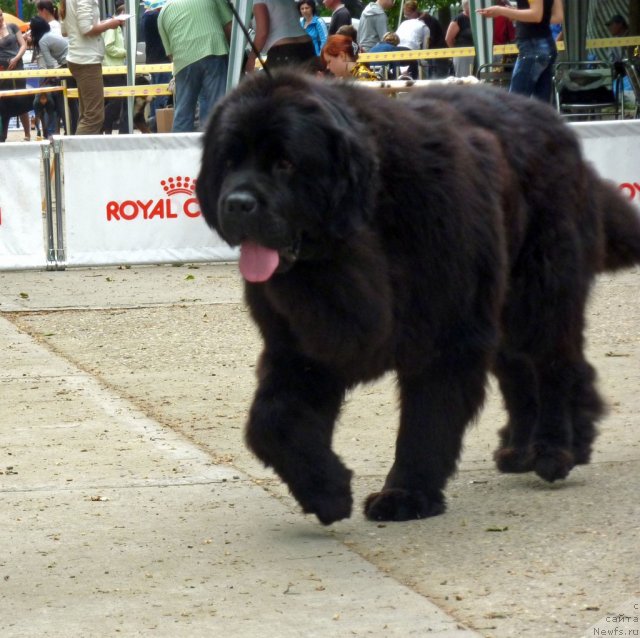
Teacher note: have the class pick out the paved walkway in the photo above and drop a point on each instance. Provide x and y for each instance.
(114, 525)
(120, 519)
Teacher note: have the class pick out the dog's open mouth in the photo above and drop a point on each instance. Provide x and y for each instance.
(259, 263)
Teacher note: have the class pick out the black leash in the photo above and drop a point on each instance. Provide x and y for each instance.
(247, 35)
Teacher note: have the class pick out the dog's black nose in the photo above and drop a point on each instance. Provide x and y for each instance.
(238, 215)
(240, 203)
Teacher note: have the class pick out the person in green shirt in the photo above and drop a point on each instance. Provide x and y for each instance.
(115, 54)
(196, 34)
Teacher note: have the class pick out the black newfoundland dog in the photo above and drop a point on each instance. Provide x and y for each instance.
(444, 236)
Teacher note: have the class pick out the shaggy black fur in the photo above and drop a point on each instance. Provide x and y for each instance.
(442, 236)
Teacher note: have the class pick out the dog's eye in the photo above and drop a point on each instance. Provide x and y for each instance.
(284, 166)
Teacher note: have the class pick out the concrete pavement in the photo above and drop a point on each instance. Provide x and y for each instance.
(116, 525)
(131, 508)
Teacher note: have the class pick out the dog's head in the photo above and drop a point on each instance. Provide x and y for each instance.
(287, 171)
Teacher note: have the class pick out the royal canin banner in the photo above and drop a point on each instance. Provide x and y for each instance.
(614, 150)
(22, 234)
(130, 199)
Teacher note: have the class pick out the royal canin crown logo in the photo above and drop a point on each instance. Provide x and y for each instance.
(172, 206)
(178, 184)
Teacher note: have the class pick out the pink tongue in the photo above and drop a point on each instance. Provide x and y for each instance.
(257, 263)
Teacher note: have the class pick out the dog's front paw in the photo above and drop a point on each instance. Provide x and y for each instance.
(397, 504)
(329, 508)
(331, 503)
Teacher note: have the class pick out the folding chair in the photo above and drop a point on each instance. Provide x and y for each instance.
(496, 74)
(584, 90)
(632, 67)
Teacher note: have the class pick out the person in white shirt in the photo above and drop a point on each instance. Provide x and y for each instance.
(413, 32)
(84, 28)
(48, 11)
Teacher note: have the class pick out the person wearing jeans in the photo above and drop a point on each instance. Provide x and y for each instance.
(195, 35)
(537, 52)
(155, 54)
(533, 71)
(82, 24)
(207, 79)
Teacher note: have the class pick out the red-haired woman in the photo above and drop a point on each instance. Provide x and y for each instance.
(340, 54)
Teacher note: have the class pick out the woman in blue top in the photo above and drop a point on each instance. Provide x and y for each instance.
(312, 24)
(536, 47)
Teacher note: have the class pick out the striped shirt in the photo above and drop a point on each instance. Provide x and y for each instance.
(193, 29)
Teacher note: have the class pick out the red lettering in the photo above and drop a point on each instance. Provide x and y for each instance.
(112, 211)
(129, 205)
(632, 190)
(161, 208)
(144, 206)
(187, 208)
(170, 215)
(158, 210)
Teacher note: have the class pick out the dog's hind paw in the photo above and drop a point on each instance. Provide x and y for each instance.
(552, 464)
(511, 460)
(582, 454)
(402, 505)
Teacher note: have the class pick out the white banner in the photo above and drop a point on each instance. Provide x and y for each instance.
(130, 199)
(22, 235)
(614, 149)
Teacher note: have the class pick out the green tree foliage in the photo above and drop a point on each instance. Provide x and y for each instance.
(28, 8)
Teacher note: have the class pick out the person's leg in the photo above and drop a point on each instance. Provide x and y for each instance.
(188, 84)
(123, 127)
(534, 65)
(161, 101)
(112, 106)
(38, 111)
(111, 115)
(49, 117)
(544, 85)
(91, 90)
(466, 66)
(522, 77)
(456, 67)
(214, 84)
(26, 125)
(70, 122)
(4, 128)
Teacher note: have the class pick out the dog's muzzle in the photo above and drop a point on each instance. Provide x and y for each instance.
(238, 215)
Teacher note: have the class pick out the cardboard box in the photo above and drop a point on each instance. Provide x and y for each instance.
(164, 120)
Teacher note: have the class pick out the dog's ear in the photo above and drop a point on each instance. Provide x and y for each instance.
(208, 183)
(356, 182)
(354, 162)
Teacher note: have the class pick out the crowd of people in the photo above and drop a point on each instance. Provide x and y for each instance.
(194, 35)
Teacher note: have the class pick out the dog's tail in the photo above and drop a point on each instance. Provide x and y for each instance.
(621, 226)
